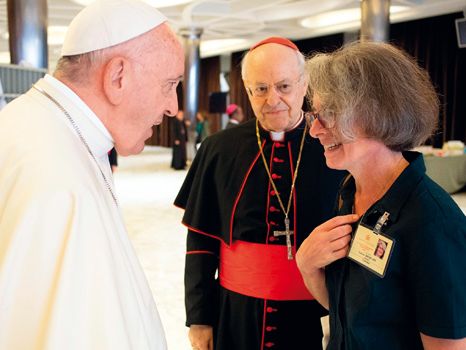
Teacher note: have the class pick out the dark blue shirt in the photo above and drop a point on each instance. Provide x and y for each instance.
(424, 288)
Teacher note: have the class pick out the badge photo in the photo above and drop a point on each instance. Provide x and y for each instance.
(371, 250)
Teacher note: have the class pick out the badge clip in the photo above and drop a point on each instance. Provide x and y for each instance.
(380, 222)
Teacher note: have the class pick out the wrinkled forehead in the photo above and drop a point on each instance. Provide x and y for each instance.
(166, 51)
(271, 63)
(164, 39)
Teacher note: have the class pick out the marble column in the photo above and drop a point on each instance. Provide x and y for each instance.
(191, 40)
(375, 20)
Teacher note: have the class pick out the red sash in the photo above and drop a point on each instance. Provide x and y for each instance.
(261, 271)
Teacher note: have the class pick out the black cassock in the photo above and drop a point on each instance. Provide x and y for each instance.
(179, 133)
(228, 198)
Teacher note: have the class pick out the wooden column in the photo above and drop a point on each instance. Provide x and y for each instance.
(27, 26)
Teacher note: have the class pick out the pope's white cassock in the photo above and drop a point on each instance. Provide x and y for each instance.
(69, 277)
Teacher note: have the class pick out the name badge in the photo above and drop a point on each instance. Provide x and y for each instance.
(371, 250)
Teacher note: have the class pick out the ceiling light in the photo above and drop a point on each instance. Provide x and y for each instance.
(334, 18)
(214, 46)
(166, 3)
(155, 3)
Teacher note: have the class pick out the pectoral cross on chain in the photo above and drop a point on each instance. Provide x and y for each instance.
(288, 234)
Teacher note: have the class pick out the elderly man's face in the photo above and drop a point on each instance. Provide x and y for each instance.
(152, 95)
(276, 86)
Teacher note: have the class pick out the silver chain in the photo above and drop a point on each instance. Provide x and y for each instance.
(81, 137)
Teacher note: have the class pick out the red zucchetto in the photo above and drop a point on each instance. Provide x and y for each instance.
(275, 40)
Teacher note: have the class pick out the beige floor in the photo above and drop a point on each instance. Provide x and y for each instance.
(460, 199)
(147, 187)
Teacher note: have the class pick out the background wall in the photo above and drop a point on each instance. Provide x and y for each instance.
(432, 41)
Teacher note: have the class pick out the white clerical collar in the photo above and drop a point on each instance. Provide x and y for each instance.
(280, 135)
(77, 100)
(104, 143)
(277, 135)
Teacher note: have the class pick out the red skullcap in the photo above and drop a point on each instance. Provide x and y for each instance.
(275, 40)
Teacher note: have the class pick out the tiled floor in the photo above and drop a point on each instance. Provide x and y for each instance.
(146, 188)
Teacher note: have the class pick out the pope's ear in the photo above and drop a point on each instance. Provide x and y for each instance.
(115, 79)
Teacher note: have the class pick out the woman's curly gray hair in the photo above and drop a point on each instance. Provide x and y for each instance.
(376, 90)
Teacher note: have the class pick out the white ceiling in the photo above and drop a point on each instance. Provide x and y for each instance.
(233, 25)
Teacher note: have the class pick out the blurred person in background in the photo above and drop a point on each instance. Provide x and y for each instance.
(180, 138)
(235, 115)
(202, 129)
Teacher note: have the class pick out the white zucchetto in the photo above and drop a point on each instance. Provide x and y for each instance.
(106, 23)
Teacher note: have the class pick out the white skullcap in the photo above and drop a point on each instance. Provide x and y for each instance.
(106, 23)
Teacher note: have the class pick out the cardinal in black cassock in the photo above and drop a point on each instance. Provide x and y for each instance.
(236, 228)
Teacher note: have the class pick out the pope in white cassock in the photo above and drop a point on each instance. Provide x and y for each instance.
(69, 277)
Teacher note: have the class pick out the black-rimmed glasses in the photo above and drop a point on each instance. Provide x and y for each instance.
(325, 117)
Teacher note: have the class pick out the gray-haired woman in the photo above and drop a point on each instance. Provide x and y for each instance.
(372, 103)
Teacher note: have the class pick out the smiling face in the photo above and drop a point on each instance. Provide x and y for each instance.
(335, 149)
(276, 86)
(380, 250)
(152, 82)
(340, 152)
(356, 155)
